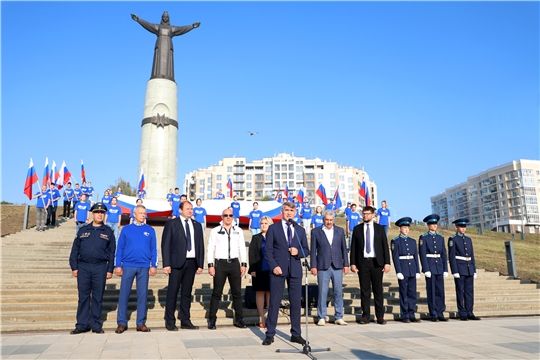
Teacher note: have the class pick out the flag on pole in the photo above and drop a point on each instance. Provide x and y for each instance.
(300, 195)
(53, 169)
(337, 200)
(321, 191)
(83, 173)
(58, 178)
(31, 179)
(229, 186)
(368, 198)
(277, 193)
(286, 192)
(142, 184)
(66, 173)
(46, 175)
(362, 192)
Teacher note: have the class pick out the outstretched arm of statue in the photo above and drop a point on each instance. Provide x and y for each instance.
(196, 25)
(153, 28)
(134, 17)
(181, 30)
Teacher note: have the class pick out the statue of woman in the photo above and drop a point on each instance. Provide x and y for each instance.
(163, 66)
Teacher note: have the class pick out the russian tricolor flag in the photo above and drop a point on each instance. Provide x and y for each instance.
(66, 173)
(300, 195)
(83, 173)
(141, 186)
(286, 192)
(229, 186)
(46, 174)
(337, 199)
(31, 179)
(321, 191)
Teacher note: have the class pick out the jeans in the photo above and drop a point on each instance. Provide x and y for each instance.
(323, 279)
(129, 273)
(307, 224)
(51, 215)
(255, 231)
(385, 229)
(114, 227)
(67, 208)
(79, 225)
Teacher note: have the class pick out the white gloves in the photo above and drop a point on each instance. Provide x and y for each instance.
(428, 274)
(445, 274)
(456, 275)
(400, 276)
(474, 276)
(418, 275)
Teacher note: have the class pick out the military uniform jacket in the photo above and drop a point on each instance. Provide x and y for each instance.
(460, 250)
(405, 256)
(93, 245)
(433, 253)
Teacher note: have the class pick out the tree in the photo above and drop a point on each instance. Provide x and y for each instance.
(126, 187)
(266, 198)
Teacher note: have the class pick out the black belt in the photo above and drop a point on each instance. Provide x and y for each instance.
(227, 260)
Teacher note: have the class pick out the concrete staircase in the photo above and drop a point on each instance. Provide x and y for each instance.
(39, 293)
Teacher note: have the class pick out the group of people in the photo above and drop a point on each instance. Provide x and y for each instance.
(276, 254)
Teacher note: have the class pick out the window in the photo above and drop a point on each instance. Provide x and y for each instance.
(258, 185)
(218, 177)
(299, 176)
(310, 176)
(258, 194)
(209, 188)
(332, 176)
(283, 167)
(239, 178)
(209, 180)
(351, 197)
(238, 169)
(284, 176)
(299, 169)
(341, 177)
(248, 177)
(248, 194)
(268, 177)
(311, 193)
(258, 177)
(201, 190)
(277, 185)
(278, 176)
(219, 185)
(500, 177)
(268, 169)
(332, 184)
(291, 167)
(291, 175)
(291, 184)
(349, 180)
(276, 168)
(248, 185)
(350, 188)
(310, 184)
(238, 186)
(201, 182)
(229, 168)
(320, 176)
(342, 186)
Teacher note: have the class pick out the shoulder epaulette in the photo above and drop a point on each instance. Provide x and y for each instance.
(397, 237)
(425, 234)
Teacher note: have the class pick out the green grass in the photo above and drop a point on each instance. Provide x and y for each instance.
(489, 249)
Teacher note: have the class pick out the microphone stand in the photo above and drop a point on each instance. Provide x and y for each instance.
(306, 349)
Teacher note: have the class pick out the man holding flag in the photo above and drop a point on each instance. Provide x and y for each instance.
(42, 204)
(54, 196)
(69, 194)
(321, 192)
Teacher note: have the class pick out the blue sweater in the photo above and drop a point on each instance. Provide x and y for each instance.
(137, 247)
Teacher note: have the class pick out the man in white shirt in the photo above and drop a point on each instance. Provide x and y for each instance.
(226, 256)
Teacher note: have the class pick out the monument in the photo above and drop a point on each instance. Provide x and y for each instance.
(159, 137)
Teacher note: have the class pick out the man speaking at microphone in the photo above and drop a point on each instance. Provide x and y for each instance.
(286, 244)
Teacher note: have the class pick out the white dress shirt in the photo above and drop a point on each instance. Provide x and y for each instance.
(371, 254)
(218, 244)
(189, 254)
(329, 234)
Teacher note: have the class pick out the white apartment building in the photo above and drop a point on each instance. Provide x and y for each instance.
(258, 179)
(504, 198)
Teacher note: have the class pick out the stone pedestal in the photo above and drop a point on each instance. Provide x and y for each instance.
(159, 138)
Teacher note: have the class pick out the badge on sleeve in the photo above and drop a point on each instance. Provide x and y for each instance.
(450, 243)
(421, 242)
(392, 245)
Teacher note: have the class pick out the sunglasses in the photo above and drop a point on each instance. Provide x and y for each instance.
(227, 215)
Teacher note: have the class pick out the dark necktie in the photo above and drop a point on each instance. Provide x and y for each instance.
(368, 240)
(188, 236)
(289, 233)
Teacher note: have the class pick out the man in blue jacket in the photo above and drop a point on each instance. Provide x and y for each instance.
(136, 256)
(329, 261)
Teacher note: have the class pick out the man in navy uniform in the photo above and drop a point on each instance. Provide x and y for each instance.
(405, 258)
(92, 262)
(434, 266)
(463, 267)
(286, 245)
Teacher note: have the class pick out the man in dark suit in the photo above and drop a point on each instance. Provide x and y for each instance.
(329, 261)
(182, 248)
(370, 258)
(286, 243)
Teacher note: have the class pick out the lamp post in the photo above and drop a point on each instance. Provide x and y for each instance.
(521, 212)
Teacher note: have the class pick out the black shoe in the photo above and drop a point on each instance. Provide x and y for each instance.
(268, 340)
(78, 331)
(298, 339)
(240, 324)
(464, 318)
(381, 321)
(188, 325)
(472, 317)
(434, 319)
(120, 329)
(98, 331)
(171, 327)
(212, 325)
(364, 321)
(406, 321)
(443, 319)
(415, 320)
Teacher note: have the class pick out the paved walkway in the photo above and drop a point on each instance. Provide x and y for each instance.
(498, 338)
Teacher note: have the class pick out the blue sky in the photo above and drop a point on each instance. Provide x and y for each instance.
(421, 94)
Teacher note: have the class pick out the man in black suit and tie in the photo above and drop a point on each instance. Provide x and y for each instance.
(329, 261)
(182, 248)
(370, 258)
(286, 243)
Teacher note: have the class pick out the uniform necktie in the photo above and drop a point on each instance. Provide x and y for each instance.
(368, 240)
(289, 233)
(188, 236)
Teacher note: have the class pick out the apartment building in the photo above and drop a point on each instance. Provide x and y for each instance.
(257, 179)
(504, 198)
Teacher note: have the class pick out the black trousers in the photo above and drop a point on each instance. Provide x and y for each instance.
(180, 276)
(224, 271)
(67, 208)
(371, 276)
(51, 216)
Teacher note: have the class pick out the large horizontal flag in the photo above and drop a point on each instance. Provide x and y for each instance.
(337, 199)
(83, 172)
(31, 179)
(142, 184)
(46, 174)
(300, 195)
(321, 191)
(229, 186)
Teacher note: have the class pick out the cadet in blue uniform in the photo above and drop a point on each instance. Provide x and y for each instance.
(92, 262)
(434, 266)
(405, 258)
(236, 210)
(463, 267)
(175, 203)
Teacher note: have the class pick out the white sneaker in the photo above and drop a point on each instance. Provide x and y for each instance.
(321, 322)
(341, 322)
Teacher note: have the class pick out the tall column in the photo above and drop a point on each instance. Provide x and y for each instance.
(159, 137)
